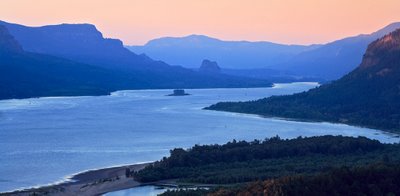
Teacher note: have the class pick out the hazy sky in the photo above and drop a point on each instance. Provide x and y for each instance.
(282, 21)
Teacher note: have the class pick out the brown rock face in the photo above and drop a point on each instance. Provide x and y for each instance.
(382, 49)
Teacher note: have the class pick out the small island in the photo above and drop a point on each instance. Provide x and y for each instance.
(179, 92)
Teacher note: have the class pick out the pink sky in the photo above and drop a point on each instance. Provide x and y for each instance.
(282, 21)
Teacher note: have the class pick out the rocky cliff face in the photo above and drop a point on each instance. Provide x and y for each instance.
(63, 39)
(381, 61)
(381, 50)
(7, 42)
(208, 66)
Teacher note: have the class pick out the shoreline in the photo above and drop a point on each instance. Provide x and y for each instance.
(90, 182)
(111, 93)
(391, 133)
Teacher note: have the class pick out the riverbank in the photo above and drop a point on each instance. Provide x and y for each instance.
(94, 182)
(75, 134)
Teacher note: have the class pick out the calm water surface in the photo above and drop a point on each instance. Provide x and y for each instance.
(139, 191)
(46, 139)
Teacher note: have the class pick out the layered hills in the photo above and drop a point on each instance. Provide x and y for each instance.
(263, 59)
(79, 47)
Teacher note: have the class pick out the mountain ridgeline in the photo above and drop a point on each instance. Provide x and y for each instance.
(265, 59)
(78, 42)
(368, 96)
(96, 64)
(335, 59)
(190, 50)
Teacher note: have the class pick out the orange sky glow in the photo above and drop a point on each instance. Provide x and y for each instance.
(281, 21)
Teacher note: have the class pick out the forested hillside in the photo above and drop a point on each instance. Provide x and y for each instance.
(368, 96)
(241, 161)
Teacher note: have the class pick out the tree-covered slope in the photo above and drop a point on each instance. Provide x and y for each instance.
(375, 179)
(368, 96)
(241, 161)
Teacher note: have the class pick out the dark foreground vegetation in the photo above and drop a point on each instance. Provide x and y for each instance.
(376, 179)
(241, 161)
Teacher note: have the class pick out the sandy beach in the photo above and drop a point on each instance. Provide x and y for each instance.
(94, 182)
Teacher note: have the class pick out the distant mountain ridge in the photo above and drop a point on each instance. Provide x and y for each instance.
(367, 96)
(334, 60)
(190, 50)
(326, 61)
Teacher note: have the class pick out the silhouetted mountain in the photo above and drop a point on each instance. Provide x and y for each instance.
(83, 43)
(211, 67)
(334, 60)
(368, 96)
(328, 62)
(24, 74)
(79, 42)
(188, 51)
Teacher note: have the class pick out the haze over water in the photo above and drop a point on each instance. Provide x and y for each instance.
(43, 140)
